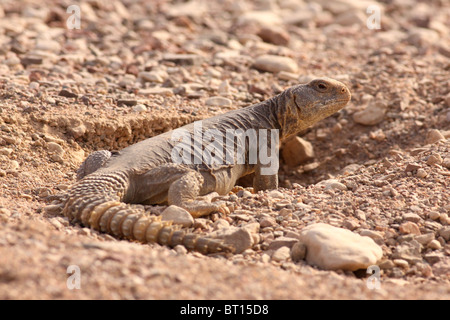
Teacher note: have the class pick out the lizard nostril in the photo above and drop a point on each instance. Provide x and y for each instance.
(343, 90)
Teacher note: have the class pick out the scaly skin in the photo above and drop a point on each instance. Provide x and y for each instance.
(145, 173)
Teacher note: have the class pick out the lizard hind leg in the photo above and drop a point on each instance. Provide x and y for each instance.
(92, 163)
(185, 192)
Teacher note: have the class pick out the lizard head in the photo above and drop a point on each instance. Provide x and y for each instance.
(311, 102)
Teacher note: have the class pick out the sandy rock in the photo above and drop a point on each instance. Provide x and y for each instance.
(275, 64)
(409, 228)
(262, 18)
(178, 216)
(372, 114)
(183, 59)
(275, 35)
(218, 102)
(331, 184)
(298, 251)
(332, 248)
(297, 151)
(434, 159)
(281, 254)
(240, 238)
(282, 242)
(421, 37)
(434, 136)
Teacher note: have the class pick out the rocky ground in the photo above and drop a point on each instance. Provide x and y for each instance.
(379, 169)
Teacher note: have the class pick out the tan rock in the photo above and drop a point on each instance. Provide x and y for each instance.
(409, 228)
(297, 151)
(372, 114)
(275, 64)
(334, 248)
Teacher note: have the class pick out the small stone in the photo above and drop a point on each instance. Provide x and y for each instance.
(434, 136)
(401, 263)
(183, 59)
(152, 76)
(434, 215)
(5, 212)
(434, 244)
(156, 91)
(281, 254)
(332, 248)
(445, 233)
(409, 228)
(139, 108)
(386, 265)
(331, 184)
(282, 242)
(240, 238)
(68, 94)
(178, 216)
(372, 114)
(424, 239)
(78, 131)
(48, 45)
(267, 222)
(6, 151)
(181, 250)
(55, 148)
(275, 64)
(421, 173)
(275, 35)
(218, 102)
(434, 159)
(127, 102)
(275, 194)
(412, 167)
(411, 217)
(298, 251)
(375, 235)
(297, 151)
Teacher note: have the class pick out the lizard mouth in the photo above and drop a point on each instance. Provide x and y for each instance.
(332, 102)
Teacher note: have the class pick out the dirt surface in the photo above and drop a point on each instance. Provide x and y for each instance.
(115, 81)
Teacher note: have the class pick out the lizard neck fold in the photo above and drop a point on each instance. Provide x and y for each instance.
(283, 115)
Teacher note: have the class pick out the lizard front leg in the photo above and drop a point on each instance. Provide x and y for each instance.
(264, 181)
(185, 192)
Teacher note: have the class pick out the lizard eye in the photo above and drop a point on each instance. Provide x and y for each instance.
(322, 86)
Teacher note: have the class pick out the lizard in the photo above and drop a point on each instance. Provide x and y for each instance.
(146, 173)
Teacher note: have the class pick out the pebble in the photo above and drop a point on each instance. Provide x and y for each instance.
(445, 233)
(413, 217)
(275, 194)
(55, 148)
(276, 35)
(434, 159)
(424, 239)
(183, 59)
(434, 244)
(333, 248)
(409, 228)
(218, 102)
(421, 173)
(267, 222)
(434, 136)
(178, 216)
(281, 254)
(275, 64)
(139, 108)
(373, 114)
(331, 184)
(298, 251)
(282, 242)
(240, 238)
(297, 151)
(6, 151)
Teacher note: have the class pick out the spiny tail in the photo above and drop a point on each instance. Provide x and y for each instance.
(95, 203)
